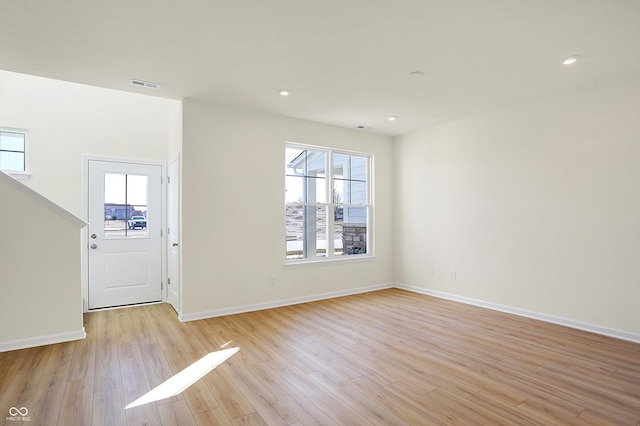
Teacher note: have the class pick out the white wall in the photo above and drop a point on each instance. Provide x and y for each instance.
(39, 270)
(233, 209)
(67, 121)
(174, 128)
(536, 207)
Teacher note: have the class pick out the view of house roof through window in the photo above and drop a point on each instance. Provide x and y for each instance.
(328, 205)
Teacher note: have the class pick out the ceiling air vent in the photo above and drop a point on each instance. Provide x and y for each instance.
(142, 83)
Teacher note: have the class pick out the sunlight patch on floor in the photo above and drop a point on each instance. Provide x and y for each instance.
(181, 381)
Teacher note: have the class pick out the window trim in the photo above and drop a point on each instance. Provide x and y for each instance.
(331, 257)
(19, 174)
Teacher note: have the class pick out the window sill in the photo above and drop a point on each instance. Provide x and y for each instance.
(305, 263)
(19, 175)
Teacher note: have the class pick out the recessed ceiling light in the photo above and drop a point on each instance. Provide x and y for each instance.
(284, 92)
(416, 74)
(570, 60)
(361, 127)
(392, 118)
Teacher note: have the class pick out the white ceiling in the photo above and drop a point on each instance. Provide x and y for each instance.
(346, 62)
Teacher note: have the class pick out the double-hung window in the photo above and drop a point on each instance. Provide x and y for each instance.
(327, 203)
(13, 151)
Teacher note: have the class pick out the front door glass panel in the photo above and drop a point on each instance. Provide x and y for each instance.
(125, 205)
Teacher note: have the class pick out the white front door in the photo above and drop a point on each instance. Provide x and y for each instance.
(173, 235)
(125, 233)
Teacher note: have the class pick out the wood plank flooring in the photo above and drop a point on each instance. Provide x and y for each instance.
(388, 357)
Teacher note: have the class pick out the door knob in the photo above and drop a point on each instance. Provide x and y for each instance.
(94, 246)
(175, 244)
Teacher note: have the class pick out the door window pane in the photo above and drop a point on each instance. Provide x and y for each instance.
(125, 205)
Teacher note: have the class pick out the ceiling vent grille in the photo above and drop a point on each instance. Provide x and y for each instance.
(142, 83)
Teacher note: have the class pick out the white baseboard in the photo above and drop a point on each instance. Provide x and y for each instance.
(42, 340)
(593, 328)
(279, 303)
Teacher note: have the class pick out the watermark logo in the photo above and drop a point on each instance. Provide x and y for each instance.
(18, 414)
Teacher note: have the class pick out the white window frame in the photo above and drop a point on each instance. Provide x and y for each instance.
(19, 174)
(331, 257)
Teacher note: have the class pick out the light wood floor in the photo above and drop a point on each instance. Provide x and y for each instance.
(388, 357)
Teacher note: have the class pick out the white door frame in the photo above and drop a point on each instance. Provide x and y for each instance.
(85, 216)
(173, 235)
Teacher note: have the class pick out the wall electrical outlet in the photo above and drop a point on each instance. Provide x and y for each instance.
(453, 275)
(272, 280)
(430, 272)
